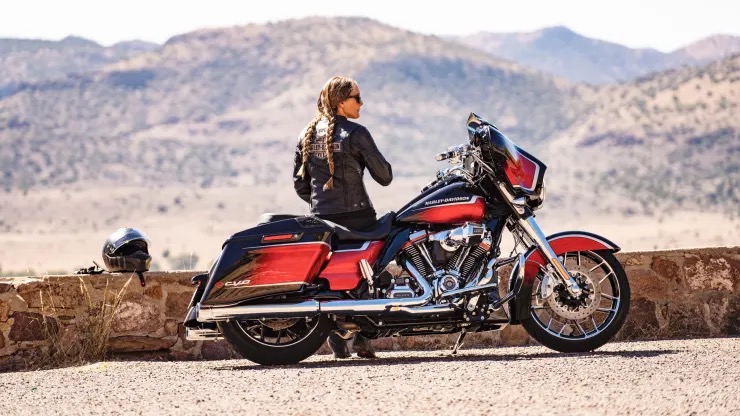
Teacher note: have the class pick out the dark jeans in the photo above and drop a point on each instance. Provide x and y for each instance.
(361, 220)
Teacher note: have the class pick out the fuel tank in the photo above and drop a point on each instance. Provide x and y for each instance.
(454, 203)
(269, 259)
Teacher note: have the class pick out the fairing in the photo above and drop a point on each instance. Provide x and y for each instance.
(523, 172)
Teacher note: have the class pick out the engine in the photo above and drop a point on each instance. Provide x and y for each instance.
(447, 259)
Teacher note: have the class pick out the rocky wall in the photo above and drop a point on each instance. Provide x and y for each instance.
(676, 293)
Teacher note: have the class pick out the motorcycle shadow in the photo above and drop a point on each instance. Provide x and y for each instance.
(327, 361)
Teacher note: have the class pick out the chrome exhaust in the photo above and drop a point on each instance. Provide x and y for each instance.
(469, 290)
(310, 308)
(200, 334)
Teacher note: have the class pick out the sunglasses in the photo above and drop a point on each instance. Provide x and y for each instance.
(356, 97)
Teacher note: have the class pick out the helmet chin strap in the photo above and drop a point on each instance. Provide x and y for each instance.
(141, 279)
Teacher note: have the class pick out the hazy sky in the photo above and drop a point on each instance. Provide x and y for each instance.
(660, 24)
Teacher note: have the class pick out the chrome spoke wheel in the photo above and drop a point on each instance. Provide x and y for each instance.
(572, 318)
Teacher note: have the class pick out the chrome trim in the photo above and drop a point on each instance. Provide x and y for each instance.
(425, 253)
(197, 334)
(466, 290)
(461, 259)
(460, 234)
(298, 282)
(490, 271)
(363, 248)
(510, 198)
(417, 235)
(306, 309)
(472, 201)
(426, 310)
(367, 273)
(287, 244)
(529, 226)
(309, 308)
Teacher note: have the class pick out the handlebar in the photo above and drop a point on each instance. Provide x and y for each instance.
(444, 156)
(454, 151)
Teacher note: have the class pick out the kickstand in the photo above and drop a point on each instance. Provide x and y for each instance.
(459, 342)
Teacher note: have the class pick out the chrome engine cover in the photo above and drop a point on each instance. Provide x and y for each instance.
(452, 239)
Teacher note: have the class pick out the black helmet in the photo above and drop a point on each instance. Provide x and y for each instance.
(127, 250)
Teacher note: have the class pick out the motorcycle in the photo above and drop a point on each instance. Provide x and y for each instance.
(277, 290)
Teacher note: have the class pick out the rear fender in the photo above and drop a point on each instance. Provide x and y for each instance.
(561, 243)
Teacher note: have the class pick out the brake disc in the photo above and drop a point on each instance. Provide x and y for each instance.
(588, 304)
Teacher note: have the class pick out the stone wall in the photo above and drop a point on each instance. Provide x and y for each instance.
(676, 293)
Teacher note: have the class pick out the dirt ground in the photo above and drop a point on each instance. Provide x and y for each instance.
(677, 377)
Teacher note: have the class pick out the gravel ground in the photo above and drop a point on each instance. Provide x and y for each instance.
(700, 376)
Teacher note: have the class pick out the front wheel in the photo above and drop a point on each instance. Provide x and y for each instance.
(578, 324)
(277, 341)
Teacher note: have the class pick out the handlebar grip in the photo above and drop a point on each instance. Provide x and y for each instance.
(444, 156)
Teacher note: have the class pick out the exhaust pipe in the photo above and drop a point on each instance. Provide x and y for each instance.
(310, 308)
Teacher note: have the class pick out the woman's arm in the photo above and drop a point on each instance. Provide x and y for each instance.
(301, 183)
(379, 168)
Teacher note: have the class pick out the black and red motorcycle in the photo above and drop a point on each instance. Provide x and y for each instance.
(435, 267)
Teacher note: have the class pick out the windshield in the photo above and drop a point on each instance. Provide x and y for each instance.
(497, 141)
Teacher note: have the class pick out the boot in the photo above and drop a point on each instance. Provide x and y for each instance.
(363, 347)
(338, 345)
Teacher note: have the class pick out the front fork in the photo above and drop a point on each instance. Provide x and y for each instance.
(529, 226)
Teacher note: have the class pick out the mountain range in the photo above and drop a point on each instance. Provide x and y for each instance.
(29, 60)
(207, 107)
(563, 52)
(665, 142)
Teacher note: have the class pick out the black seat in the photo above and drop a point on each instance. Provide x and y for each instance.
(379, 232)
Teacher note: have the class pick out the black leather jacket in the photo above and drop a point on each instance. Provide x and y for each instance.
(354, 150)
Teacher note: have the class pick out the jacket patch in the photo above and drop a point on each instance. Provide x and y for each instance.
(319, 149)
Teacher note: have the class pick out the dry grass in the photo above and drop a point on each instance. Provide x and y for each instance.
(85, 341)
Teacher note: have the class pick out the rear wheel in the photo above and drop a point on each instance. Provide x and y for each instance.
(579, 324)
(277, 341)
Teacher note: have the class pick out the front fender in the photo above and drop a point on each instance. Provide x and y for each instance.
(563, 242)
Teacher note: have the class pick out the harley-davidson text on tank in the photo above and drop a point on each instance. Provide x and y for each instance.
(448, 200)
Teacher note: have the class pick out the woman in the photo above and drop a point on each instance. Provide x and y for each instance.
(330, 161)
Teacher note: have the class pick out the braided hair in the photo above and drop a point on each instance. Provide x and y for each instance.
(336, 90)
